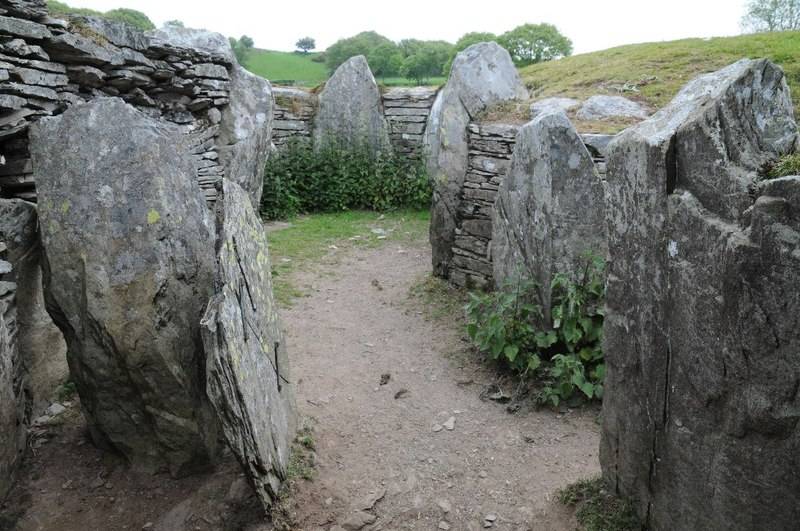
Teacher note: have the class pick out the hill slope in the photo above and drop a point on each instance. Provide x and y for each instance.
(657, 71)
(287, 67)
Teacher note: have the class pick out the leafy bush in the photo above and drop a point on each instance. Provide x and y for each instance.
(597, 509)
(788, 165)
(335, 177)
(564, 349)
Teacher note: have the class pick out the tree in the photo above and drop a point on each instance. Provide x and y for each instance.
(772, 15)
(535, 43)
(242, 48)
(427, 59)
(132, 17)
(385, 60)
(365, 43)
(467, 40)
(306, 44)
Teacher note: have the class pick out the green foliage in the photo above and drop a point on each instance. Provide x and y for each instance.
(131, 17)
(425, 59)
(66, 391)
(564, 349)
(334, 177)
(175, 23)
(306, 44)
(134, 18)
(597, 510)
(535, 43)
(467, 40)
(242, 47)
(365, 43)
(57, 8)
(771, 15)
(788, 165)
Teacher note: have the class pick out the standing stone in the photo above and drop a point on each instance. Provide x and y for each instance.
(247, 368)
(128, 269)
(701, 416)
(350, 109)
(14, 404)
(481, 75)
(245, 134)
(40, 343)
(602, 107)
(549, 212)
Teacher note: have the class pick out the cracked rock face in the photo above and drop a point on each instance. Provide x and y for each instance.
(350, 108)
(549, 211)
(701, 412)
(481, 75)
(247, 366)
(128, 269)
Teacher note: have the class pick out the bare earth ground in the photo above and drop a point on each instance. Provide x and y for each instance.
(358, 323)
(362, 323)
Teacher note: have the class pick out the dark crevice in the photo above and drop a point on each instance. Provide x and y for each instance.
(671, 164)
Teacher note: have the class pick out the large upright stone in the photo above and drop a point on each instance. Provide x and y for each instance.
(247, 367)
(701, 414)
(128, 270)
(245, 134)
(350, 108)
(14, 404)
(40, 343)
(481, 75)
(549, 212)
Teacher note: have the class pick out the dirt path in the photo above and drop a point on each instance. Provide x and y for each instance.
(360, 324)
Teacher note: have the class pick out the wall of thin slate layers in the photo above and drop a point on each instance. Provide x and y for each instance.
(48, 64)
(490, 150)
(406, 111)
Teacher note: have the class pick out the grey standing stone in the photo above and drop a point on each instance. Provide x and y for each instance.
(549, 211)
(245, 134)
(41, 346)
(14, 404)
(701, 415)
(550, 104)
(247, 368)
(128, 269)
(350, 109)
(481, 75)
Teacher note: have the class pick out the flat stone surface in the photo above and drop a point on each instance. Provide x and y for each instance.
(602, 107)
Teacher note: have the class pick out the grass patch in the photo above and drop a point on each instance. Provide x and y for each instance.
(405, 82)
(596, 509)
(653, 73)
(438, 298)
(310, 238)
(788, 165)
(287, 68)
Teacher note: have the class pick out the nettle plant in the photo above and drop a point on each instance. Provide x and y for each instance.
(564, 349)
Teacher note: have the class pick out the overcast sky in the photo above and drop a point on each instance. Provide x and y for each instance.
(592, 25)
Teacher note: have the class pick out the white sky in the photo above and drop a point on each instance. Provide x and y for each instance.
(591, 24)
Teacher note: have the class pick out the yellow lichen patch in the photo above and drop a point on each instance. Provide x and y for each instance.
(153, 216)
(65, 206)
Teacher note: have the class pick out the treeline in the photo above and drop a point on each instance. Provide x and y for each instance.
(421, 60)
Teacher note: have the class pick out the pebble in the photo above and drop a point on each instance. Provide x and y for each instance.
(148, 525)
(55, 409)
(437, 428)
(445, 506)
(483, 474)
(450, 423)
(444, 525)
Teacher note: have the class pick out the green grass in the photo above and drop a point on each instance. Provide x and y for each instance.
(291, 68)
(597, 510)
(311, 238)
(404, 82)
(788, 165)
(659, 70)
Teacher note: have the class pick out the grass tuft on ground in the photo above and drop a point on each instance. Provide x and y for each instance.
(306, 240)
(596, 509)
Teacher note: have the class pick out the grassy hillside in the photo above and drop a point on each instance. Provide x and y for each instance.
(298, 69)
(657, 71)
(281, 67)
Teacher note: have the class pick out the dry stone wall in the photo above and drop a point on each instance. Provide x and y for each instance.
(46, 65)
(294, 115)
